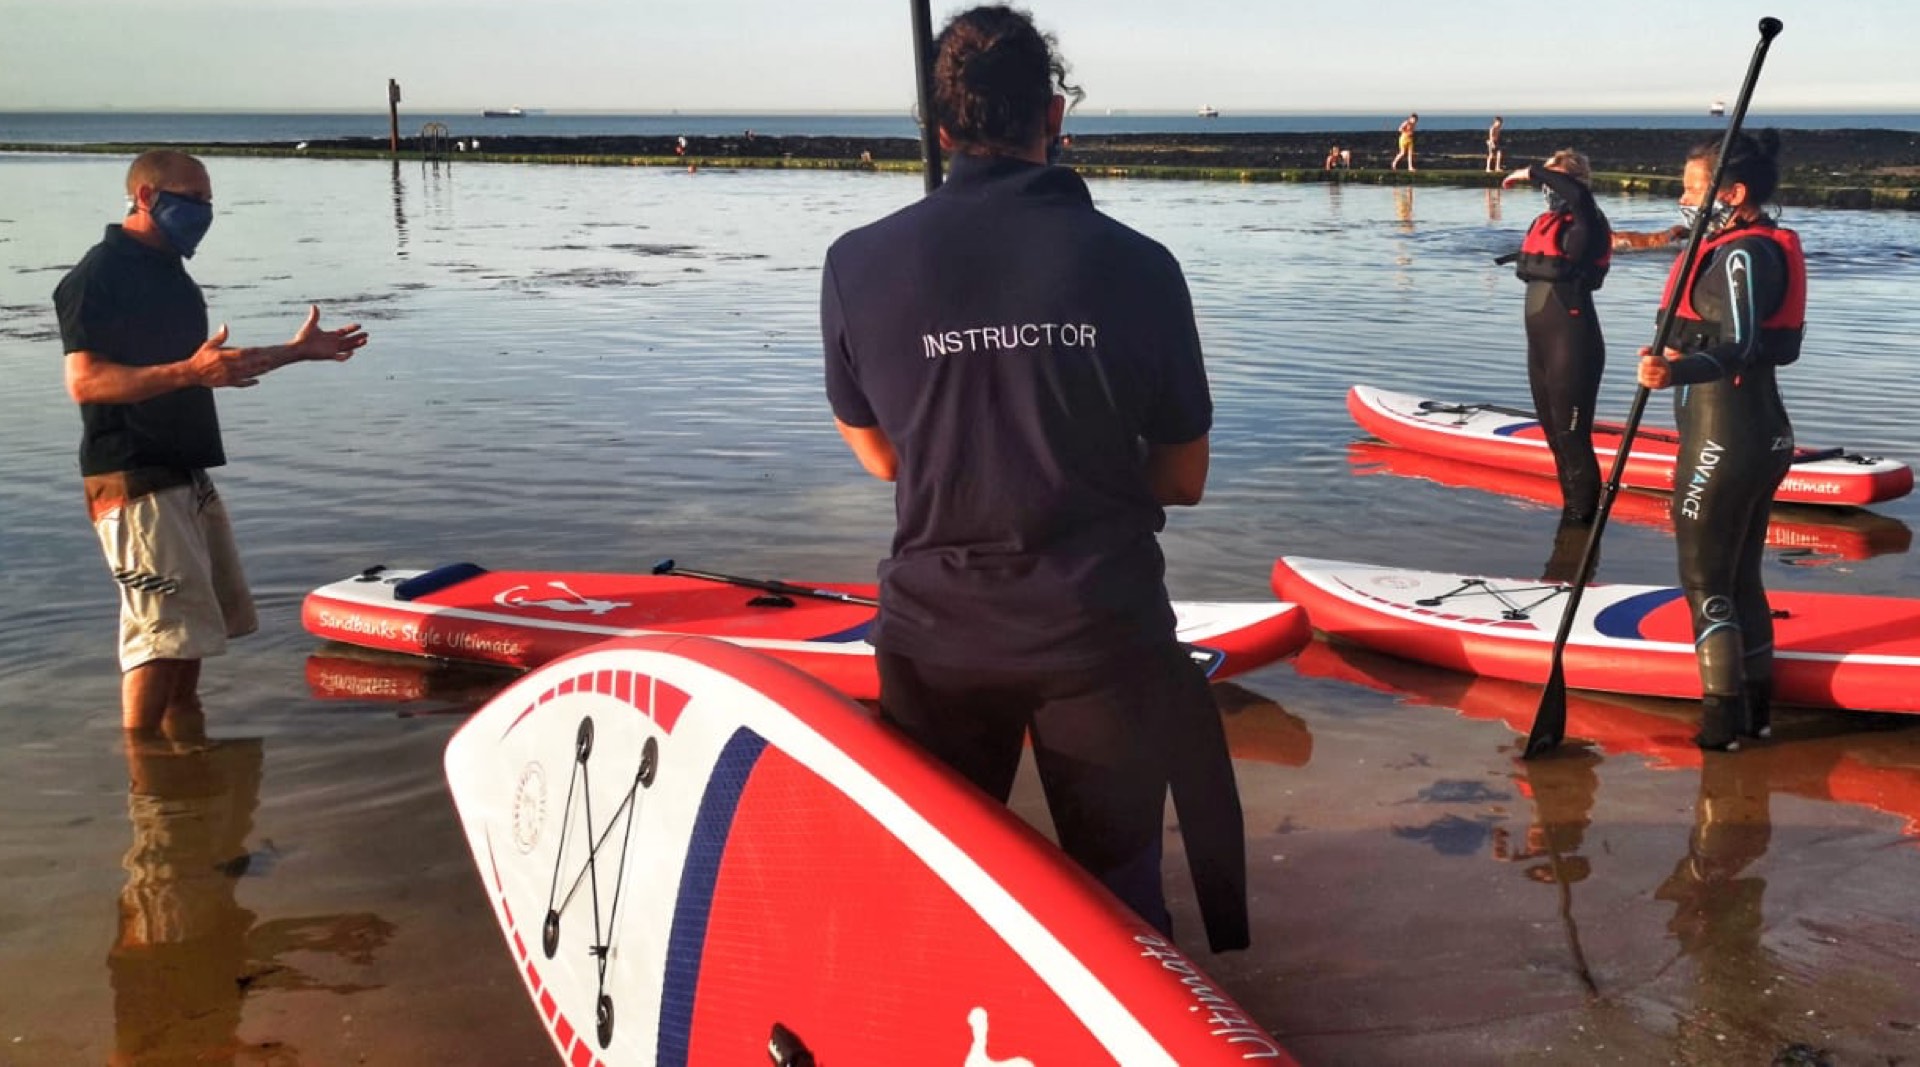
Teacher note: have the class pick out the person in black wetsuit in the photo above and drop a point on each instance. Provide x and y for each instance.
(1740, 317)
(1563, 260)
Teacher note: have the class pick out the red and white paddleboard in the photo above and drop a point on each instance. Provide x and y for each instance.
(1830, 650)
(1810, 535)
(1509, 437)
(526, 618)
(699, 855)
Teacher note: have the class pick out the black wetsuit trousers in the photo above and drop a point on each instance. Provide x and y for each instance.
(1735, 447)
(1099, 743)
(1565, 357)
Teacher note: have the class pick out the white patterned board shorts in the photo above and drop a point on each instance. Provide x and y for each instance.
(182, 590)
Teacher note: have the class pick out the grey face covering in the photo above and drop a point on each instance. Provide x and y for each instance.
(1716, 217)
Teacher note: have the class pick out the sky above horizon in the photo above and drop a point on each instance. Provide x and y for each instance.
(854, 55)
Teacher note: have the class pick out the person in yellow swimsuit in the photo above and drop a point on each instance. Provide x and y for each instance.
(1407, 128)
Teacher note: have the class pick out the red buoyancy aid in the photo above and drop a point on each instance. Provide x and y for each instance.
(1780, 332)
(1543, 255)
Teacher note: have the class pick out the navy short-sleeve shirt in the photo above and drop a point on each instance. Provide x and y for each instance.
(132, 304)
(1021, 350)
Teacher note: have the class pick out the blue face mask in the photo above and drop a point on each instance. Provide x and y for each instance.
(183, 221)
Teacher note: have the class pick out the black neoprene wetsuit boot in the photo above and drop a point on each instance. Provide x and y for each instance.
(1723, 721)
(1759, 710)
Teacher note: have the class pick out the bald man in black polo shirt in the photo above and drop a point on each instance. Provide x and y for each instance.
(1028, 371)
(143, 369)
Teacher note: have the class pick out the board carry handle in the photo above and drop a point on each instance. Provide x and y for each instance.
(435, 580)
(1550, 719)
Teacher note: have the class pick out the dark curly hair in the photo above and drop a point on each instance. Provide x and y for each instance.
(1753, 160)
(994, 76)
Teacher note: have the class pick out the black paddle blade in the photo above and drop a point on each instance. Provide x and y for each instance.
(1550, 722)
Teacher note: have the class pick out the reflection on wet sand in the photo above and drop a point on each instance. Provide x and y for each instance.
(1562, 789)
(342, 673)
(187, 953)
(1260, 729)
(1804, 536)
(1857, 758)
(1717, 914)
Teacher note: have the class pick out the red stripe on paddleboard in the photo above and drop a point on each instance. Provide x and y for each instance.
(656, 699)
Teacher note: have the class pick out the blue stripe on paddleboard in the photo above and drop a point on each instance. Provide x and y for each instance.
(688, 940)
(848, 636)
(1623, 620)
(1515, 427)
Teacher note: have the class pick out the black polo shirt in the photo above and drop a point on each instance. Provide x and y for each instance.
(132, 304)
(1019, 349)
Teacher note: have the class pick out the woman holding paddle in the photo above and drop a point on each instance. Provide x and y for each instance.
(1563, 260)
(1739, 316)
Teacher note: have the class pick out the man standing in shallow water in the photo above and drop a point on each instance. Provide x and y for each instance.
(142, 367)
(1028, 372)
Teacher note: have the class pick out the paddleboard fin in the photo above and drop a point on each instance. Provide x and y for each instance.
(787, 1050)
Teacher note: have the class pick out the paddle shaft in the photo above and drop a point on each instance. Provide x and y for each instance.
(923, 58)
(765, 585)
(1550, 721)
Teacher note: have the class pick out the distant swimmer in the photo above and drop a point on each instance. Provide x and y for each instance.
(1408, 126)
(1496, 157)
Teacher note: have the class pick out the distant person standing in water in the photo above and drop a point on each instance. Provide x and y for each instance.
(1027, 371)
(1563, 259)
(1408, 126)
(1740, 318)
(1496, 158)
(143, 369)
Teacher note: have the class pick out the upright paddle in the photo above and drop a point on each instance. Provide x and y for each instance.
(1550, 722)
(923, 75)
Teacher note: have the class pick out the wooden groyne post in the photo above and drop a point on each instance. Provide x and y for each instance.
(393, 116)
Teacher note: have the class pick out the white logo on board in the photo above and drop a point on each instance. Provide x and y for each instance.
(977, 1054)
(515, 598)
(529, 807)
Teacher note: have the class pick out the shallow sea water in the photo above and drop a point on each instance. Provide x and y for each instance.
(595, 368)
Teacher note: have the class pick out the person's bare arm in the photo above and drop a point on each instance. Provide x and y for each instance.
(94, 379)
(872, 448)
(1177, 474)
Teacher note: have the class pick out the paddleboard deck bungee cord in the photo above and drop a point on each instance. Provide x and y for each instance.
(1831, 650)
(699, 855)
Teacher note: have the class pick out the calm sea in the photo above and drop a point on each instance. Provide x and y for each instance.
(53, 127)
(593, 369)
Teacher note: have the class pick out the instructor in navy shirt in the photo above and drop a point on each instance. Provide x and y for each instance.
(1027, 372)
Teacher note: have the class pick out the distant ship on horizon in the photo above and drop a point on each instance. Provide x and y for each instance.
(1719, 108)
(504, 113)
(1208, 111)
